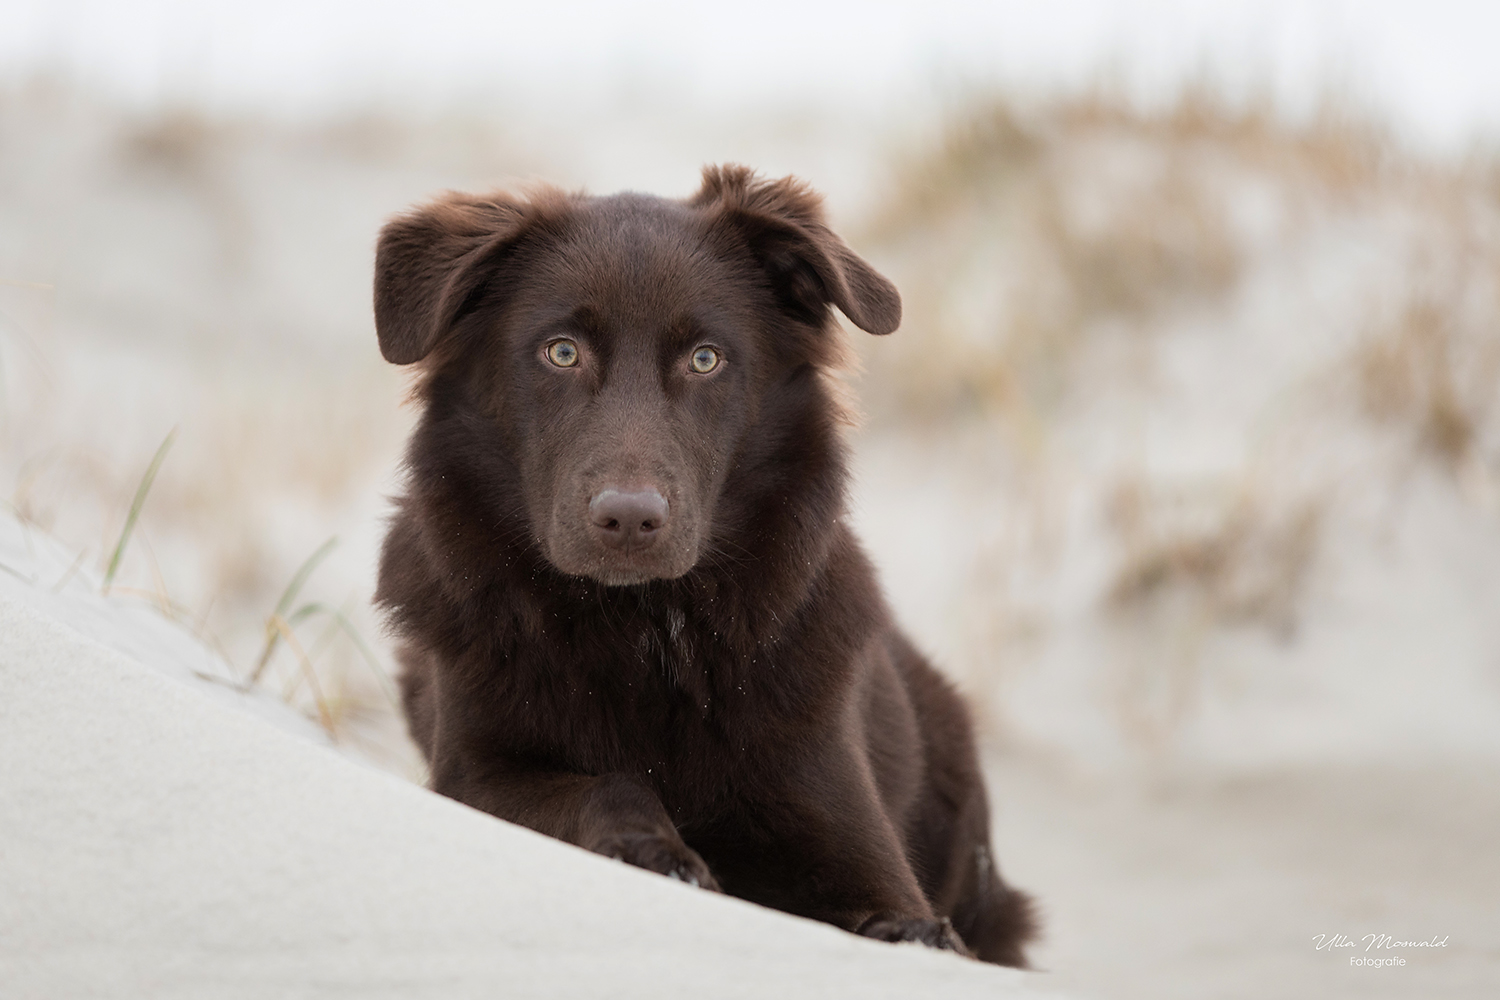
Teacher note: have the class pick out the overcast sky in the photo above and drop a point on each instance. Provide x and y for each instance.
(1431, 66)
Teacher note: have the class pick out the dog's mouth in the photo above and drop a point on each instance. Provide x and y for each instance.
(617, 569)
(630, 576)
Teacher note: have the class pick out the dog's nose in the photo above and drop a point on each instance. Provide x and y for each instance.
(628, 519)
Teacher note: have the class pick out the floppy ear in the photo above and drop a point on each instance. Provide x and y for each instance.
(810, 266)
(431, 263)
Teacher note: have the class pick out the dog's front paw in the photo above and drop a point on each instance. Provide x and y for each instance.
(933, 933)
(665, 855)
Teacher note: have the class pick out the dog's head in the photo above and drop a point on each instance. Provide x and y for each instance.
(609, 361)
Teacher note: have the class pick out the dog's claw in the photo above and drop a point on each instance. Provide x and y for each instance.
(933, 933)
(660, 854)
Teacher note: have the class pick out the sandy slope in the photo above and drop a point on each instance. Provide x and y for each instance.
(156, 843)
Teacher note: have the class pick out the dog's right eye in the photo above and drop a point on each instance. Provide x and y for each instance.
(562, 353)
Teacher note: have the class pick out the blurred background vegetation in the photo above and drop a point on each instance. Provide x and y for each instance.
(1170, 375)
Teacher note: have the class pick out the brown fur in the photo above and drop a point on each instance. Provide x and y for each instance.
(727, 701)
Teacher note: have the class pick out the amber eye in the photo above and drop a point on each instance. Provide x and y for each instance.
(562, 353)
(705, 360)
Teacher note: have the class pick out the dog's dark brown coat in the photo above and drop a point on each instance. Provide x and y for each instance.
(731, 705)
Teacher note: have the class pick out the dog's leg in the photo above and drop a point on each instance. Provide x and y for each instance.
(831, 853)
(616, 815)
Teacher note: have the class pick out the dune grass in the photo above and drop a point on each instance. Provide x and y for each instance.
(136, 504)
(281, 628)
(1070, 265)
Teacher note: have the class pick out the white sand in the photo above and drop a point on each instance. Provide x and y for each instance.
(156, 843)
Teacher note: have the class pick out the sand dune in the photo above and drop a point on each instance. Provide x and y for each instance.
(157, 843)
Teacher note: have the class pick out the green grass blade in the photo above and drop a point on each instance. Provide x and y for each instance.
(300, 577)
(352, 633)
(135, 508)
(273, 634)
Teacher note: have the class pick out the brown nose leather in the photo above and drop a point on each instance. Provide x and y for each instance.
(628, 519)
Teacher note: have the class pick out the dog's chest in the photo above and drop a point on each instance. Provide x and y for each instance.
(652, 691)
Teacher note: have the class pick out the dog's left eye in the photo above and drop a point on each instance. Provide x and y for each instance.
(562, 353)
(705, 360)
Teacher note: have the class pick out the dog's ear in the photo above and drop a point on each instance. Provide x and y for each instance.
(810, 266)
(432, 263)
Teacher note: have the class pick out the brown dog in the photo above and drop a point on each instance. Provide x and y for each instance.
(632, 614)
